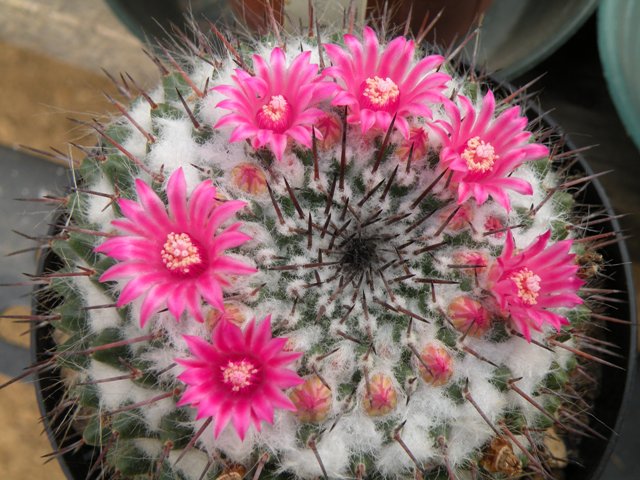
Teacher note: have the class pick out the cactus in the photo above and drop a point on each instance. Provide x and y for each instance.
(345, 259)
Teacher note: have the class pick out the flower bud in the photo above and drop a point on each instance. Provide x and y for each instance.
(419, 138)
(469, 316)
(493, 223)
(312, 399)
(249, 178)
(435, 365)
(380, 396)
(329, 127)
(234, 312)
(471, 258)
(460, 219)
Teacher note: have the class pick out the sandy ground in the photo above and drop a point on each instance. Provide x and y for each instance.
(20, 434)
(51, 56)
(42, 44)
(18, 416)
(35, 107)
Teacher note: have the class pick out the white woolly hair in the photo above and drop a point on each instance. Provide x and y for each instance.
(97, 208)
(114, 395)
(331, 448)
(175, 148)
(100, 318)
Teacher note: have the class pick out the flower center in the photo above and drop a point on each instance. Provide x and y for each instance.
(379, 93)
(275, 114)
(528, 285)
(239, 375)
(480, 156)
(179, 253)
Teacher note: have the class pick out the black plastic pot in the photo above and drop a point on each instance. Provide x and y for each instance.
(616, 387)
(611, 401)
(50, 393)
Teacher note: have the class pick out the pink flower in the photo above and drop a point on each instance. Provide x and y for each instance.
(174, 258)
(239, 376)
(527, 283)
(276, 103)
(483, 151)
(377, 84)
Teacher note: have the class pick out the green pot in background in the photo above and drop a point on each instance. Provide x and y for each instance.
(619, 44)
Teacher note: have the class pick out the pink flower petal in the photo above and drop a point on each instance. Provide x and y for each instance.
(231, 266)
(367, 120)
(211, 290)
(221, 214)
(221, 421)
(263, 411)
(176, 301)
(241, 418)
(125, 270)
(151, 203)
(154, 301)
(278, 144)
(137, 287)
(176, 194)
(229, 239)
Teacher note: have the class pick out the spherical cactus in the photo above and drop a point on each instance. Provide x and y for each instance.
(338, 258)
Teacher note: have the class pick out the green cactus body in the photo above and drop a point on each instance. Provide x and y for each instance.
(366, 264)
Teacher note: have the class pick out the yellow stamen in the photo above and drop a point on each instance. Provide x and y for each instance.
(480, 156)
(276, 108)
(528, 285)
(381, 92)
(179, 253)
(238, 374)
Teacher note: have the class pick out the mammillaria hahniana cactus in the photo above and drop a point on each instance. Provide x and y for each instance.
(339, 259)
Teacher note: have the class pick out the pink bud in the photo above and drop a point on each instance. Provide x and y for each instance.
(419, 139)
(249, 178)
(290, 346)
(234, 312)
(468, 316)
(380, 396)
(329, 127)
(470, 257)
(460, 219)
(435, 365)
(493, 223)
(312, 399)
